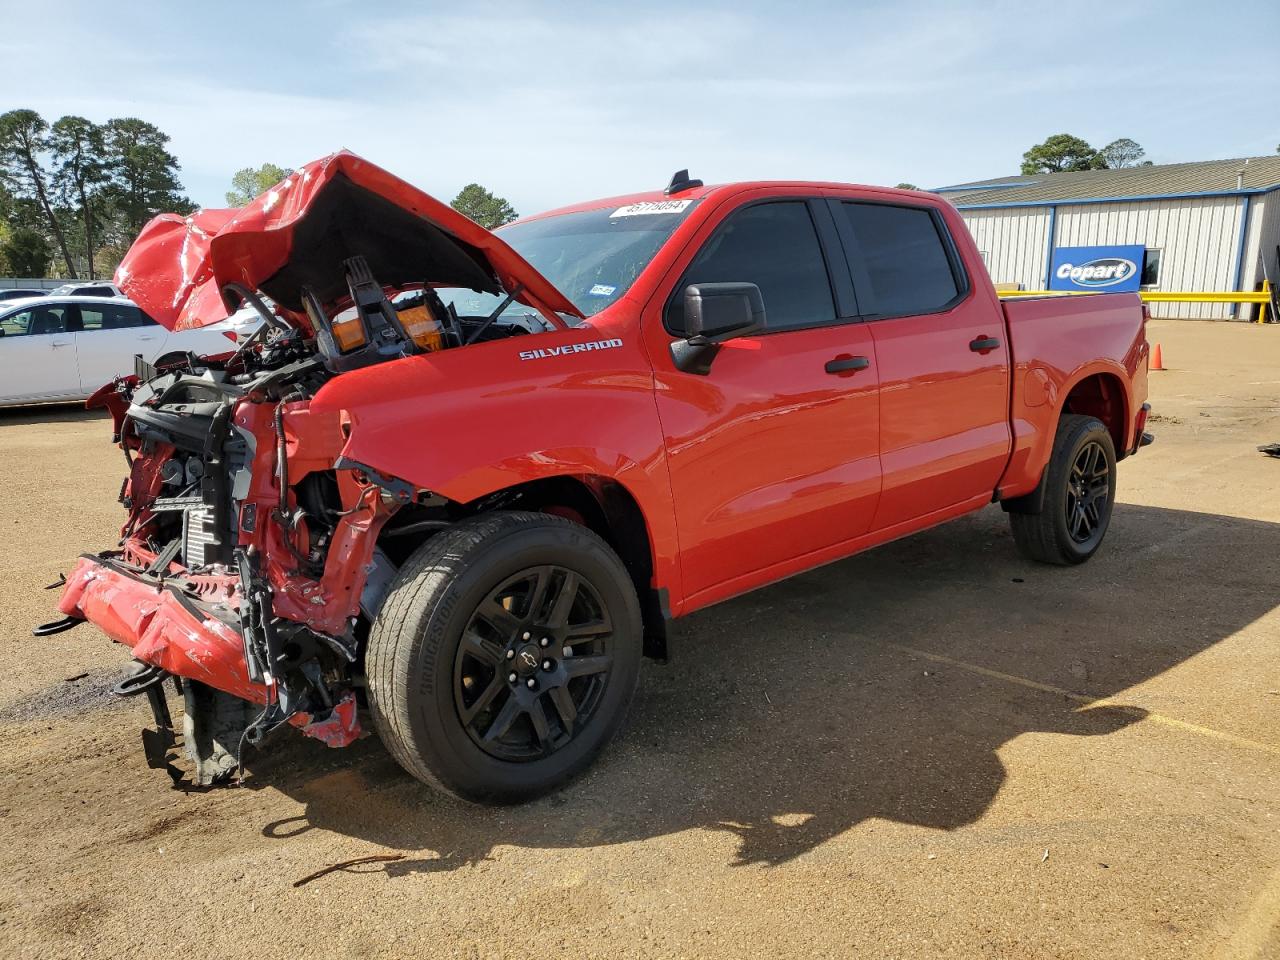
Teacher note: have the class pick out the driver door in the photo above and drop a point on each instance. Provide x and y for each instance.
(38, 354)
(773, 454)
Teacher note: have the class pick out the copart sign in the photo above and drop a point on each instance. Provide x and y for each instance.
(1104, 269)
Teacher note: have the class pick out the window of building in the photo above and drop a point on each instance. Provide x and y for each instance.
(1151, 268)
(905, 258)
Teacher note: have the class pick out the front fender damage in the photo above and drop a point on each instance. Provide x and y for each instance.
(253, 556)
(265, 631)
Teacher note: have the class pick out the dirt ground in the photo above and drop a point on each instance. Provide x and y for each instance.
(934, 749)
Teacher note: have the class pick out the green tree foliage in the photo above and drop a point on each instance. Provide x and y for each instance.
(1122, 153)
(82, 187)
(249, 183)
(80, 175)
(907, 186)
(26, 253)
(23, 142)
(144, 174)
(483, 207)
(1062, 152)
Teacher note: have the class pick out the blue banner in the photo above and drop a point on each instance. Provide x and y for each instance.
(1104, 269)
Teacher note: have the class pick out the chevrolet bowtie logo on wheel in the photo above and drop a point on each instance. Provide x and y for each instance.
(528, 659)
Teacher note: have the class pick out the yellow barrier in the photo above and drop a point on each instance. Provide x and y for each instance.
(1262, 296)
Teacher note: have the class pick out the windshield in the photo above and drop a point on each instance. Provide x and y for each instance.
(592, 256)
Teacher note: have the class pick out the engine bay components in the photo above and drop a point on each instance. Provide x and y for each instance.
(248, 563)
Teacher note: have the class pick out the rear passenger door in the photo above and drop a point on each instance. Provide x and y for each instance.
(772, 454)
(942, 355)
(110, 334)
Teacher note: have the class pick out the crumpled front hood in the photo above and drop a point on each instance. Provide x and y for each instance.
(301, 230)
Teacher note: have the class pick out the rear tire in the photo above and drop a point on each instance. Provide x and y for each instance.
(1079, 493)
(469, 611)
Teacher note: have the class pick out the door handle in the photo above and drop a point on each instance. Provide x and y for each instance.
(60, 343)
(147, 337)
(983, 344)
(847, 364)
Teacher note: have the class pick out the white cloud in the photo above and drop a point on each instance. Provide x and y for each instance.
(550, 103)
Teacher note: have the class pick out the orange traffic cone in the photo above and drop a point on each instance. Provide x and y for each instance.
(1157, 361)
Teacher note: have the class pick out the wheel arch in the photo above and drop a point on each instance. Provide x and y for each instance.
(1100, 394)
(1096, 390)
(607, 507)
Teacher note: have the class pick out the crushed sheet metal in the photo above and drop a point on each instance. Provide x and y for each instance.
(177, 267)
(339, 729)
(160, 629)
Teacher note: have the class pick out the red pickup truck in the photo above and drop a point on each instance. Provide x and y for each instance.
(466, 478)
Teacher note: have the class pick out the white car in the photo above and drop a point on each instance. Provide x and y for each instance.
(65, 348)
(85, 288)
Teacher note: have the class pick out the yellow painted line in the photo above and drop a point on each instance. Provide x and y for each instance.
(1260, 924)
(1088, 701)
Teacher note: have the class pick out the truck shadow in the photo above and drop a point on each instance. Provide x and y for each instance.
(791, 715)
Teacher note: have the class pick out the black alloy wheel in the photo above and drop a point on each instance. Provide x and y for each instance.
(1076, 494)
(505, 656)
(1088, 492)
(533, 663)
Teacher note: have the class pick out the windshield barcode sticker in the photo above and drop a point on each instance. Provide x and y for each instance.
(649, 207)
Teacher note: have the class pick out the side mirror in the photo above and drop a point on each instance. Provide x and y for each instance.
(713, 314)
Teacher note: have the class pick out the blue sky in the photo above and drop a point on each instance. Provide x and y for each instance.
(551, 103)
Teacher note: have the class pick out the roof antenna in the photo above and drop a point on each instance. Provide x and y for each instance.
(680, 181)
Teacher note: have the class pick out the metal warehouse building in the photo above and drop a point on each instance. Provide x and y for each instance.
(1201, 227)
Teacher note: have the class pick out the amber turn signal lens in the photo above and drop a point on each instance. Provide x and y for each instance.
(348, 334)
(422, 328)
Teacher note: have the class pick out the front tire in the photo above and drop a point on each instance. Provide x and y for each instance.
(505, 656)
(1079, 493)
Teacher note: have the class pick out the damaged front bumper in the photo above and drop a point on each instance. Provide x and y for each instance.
(162, 623)
(187, 628)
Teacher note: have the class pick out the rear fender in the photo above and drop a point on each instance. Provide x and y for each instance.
(1056, 344)
(1020, 490)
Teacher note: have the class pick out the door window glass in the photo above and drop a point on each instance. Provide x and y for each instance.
(35, 321)
(774, 246)
(110, 316)
(904, 258)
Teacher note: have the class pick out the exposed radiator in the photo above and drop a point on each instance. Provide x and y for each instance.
(198, 536)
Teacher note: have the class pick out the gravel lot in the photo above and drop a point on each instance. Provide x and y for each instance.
(934, 749)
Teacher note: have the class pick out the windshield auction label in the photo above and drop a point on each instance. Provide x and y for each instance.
(650, 207)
